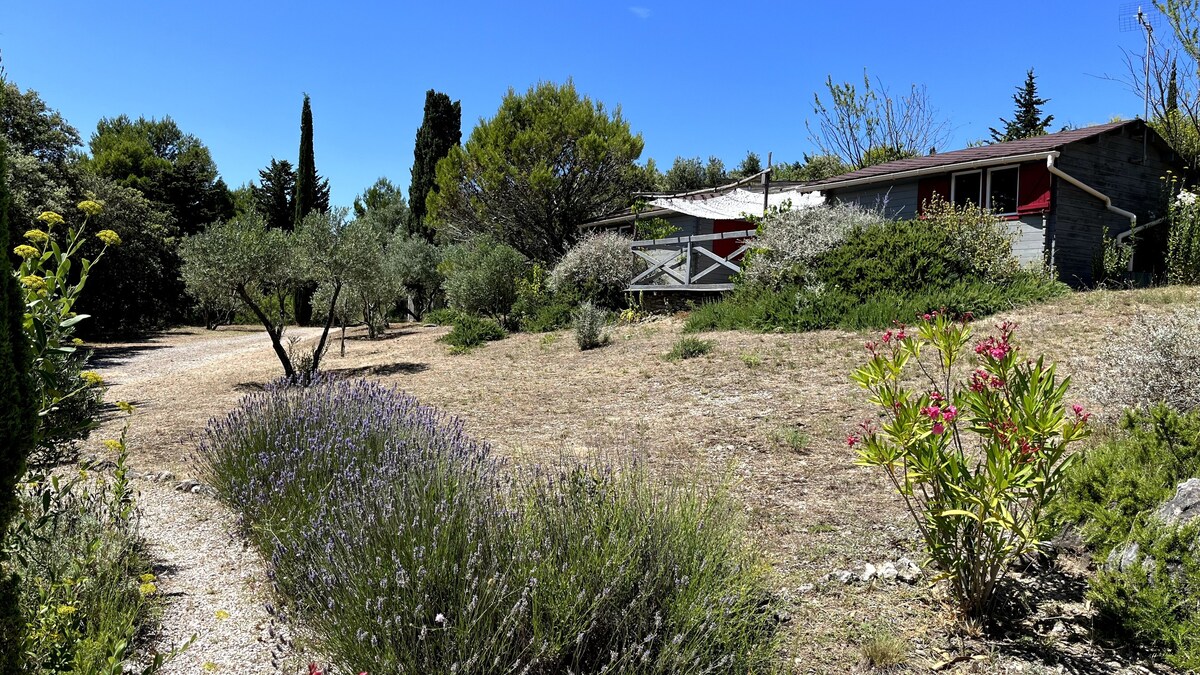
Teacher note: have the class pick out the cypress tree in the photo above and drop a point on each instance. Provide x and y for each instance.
(17, 419)
(305, 200)
(1172, 91)
(440, 130)
(1027, 120)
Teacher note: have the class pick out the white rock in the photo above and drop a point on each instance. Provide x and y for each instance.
(888, 572)
(868, 573)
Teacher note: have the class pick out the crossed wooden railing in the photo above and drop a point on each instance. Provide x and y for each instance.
(672, 262)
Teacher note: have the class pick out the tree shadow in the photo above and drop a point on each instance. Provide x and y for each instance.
(383, 370)
(1038, 618)
(363, 337)
(105, 357)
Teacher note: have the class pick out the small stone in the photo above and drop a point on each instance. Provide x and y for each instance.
(907, 570)
(888, 572)
(868, 573)
(1125, 558)
(131, 474)
(805, 588)
(844, 576)
(186, 485)
(1184, 507)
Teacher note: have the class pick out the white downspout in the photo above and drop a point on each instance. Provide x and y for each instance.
(1133, 226)
(1091, 191)
(1134, 230)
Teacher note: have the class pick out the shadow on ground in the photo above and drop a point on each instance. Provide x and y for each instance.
(107, 357)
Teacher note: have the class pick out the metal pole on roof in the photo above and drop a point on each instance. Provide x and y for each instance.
(1141, 17)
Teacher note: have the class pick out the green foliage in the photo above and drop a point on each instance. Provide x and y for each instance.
(598, 269)
(1027, 120)
(689, 348)
(1183, 239)
(977, 461)
(139, 288)
(18, 419)
(590, 321)
(815, 307)
(172, 169)
(575, 567)
(546, 162)
(1110, 266)
(274, 194)
(537, 308)
(443, 316)
(471, 331)
(68, 400)
(751, 164)
(690, 174)
(791, 242)
(1155, 601)
(813, 168)
(654, 228)
(39, 144)
(244, 260)
(412, 261)
(481, 277)
(440, 130)
(1108, 491)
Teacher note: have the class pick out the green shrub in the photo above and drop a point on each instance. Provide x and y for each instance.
(87, 590)
(1183, 238)
(598, 269)
(538, 309)
(590, 321)
(481, 277)
(977, 460)
(471, 331)
(689, 348)
(1109, 490)
(1156, 601)
(821, 306)
(790, 241)
(442, 316)
(423, 555)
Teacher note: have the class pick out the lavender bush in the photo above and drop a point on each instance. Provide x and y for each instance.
(408, 548)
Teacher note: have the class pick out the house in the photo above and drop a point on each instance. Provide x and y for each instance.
(703, 235)
(1059, 192)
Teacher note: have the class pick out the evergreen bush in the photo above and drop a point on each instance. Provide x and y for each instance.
(598, 269)
(590, 321)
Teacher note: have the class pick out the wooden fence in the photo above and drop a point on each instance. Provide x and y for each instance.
(689, 263)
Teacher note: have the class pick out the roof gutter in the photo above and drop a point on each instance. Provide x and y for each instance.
(941, 168)
(1093, 192)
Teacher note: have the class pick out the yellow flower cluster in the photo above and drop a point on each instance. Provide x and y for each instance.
(66, 610)
(222, 615)
(109, 237)
(92, 378)
(51, 218)
(91, 207)
(33, 282)
(37, 236)
(112, 444)
(26, 251)
(147, 588)
(147, 578)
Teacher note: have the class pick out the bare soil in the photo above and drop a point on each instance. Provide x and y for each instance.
(773, 409)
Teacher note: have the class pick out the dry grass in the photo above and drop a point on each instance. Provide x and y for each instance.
(534, 397)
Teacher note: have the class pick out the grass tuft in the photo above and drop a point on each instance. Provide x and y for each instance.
(689, 348)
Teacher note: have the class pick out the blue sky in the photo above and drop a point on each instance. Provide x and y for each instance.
(695, 78)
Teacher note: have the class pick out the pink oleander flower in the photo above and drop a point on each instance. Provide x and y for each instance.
(938, 429)
(950, 413)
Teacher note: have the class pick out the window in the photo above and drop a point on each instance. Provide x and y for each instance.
(998, 190)
(1002, 189)
(965, 189)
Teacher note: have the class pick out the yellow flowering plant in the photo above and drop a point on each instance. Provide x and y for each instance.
(52, 276)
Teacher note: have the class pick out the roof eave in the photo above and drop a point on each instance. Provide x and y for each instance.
(926, 171)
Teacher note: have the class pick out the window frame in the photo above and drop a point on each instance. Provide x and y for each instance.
(1016, 192)
(954, 186)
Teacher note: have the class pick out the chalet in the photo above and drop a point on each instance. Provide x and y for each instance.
(1060, 192)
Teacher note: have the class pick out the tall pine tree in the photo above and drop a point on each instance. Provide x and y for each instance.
(273, 194)
(17, 419)
(1027, 120)
(440, 130)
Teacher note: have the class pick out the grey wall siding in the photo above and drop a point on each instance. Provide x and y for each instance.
(1112, 164)
(1029, 240)
(898, 200)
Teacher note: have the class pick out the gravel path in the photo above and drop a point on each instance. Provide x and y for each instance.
(215, 586)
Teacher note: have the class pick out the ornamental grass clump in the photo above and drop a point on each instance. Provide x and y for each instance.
(590, 322)
(977, 452)
(406, 547)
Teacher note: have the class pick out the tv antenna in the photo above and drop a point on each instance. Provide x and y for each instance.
(1134, 17)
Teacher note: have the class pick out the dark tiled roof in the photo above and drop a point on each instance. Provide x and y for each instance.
(997, 151)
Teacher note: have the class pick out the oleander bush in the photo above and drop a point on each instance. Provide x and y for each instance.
(1154, 361)
(406, 546)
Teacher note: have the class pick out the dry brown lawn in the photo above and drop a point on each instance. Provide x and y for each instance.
(772, 409)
